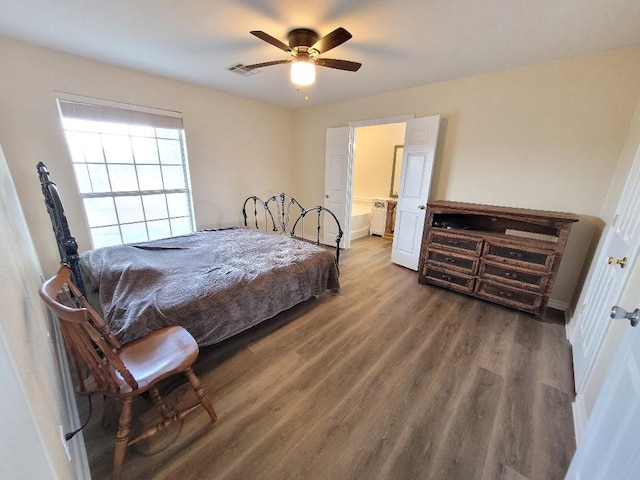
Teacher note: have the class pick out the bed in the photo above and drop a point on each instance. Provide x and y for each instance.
(215, 283)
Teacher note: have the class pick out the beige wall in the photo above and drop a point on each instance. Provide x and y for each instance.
(236, 147)
(34, 405)
(545, 136)
(373, 158)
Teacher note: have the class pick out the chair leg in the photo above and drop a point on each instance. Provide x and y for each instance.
(200, 393)
(122, 437)
(159, 403)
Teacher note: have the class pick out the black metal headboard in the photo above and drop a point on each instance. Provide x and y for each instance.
(67, 245)
(289, 214)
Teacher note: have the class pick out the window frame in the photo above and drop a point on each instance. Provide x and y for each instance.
(137, 116)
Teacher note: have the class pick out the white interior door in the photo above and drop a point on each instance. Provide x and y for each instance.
(621, 243)
(610, 446)
(337, 184)
(420, 145)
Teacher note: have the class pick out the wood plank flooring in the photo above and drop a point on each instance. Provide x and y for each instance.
(388, 379)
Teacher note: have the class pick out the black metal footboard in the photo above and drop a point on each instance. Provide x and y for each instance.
(283, 214)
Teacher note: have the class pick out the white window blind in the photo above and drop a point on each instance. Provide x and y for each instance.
(124, 114)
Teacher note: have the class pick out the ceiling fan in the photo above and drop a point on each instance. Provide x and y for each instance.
(305, 46)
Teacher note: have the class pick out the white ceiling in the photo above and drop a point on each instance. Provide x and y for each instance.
(400, 43)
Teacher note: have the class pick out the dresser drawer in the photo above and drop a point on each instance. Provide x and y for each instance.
(518, 255)
(506, 295)
(451, 260)
(448, 278)
(457, 242)
(507, 274)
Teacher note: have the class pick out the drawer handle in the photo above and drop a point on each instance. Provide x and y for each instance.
(450, 260)
(505, 294)
(515, 254)
(452, 242)
(446, 277)
(511, 275)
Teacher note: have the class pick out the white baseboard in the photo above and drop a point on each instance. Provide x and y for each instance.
(362, 232)
(564, 307)
(558, 305)
(579, 417)
(77, 450)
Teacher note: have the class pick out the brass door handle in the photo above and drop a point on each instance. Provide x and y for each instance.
(618, 261)
(422, 207)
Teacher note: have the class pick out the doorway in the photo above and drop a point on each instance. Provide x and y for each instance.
(377, 160)
(370, 183)
(418, 155)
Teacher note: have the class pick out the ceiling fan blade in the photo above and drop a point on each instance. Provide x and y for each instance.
(266, 64)
(269, 39)
(338, 64)
(331, 40)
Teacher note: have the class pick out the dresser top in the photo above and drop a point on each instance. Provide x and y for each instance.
(480, 209)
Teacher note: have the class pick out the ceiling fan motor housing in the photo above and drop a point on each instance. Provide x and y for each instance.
(302, 37)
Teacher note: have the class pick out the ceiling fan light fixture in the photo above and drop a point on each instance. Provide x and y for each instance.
(303, 73)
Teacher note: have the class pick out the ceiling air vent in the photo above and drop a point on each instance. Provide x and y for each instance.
(242, 70)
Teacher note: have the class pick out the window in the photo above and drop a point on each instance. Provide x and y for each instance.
(131, 171)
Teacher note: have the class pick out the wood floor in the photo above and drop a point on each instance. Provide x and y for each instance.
(388, 379)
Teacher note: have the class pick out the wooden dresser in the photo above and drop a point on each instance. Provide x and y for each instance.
(504, 255)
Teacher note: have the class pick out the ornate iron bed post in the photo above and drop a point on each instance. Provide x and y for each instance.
(338, 236)
(283, 210)
(255, 211)
(282, 215)
(319, 209)
(67, 245)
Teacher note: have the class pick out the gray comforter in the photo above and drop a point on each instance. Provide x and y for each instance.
(214, 283)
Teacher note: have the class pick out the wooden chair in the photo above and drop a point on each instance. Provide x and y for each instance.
(120, 372)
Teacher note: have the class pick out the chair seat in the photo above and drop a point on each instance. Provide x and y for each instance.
(158, 355)
(150, 359)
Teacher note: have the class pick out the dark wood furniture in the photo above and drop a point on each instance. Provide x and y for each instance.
(504, 255)
(120, 372)
(391, 218)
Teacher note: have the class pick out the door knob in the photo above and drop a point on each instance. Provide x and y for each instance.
(422, 207)
(619, 312)
(618, 261)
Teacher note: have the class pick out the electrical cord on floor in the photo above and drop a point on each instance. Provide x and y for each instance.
(68, 436)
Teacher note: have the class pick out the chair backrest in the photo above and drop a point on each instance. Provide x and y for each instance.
(91, 346)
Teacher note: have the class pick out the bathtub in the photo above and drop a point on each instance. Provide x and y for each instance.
(360, 218)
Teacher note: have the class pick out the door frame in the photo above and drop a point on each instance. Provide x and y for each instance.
(351, 158)
(592, 372)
